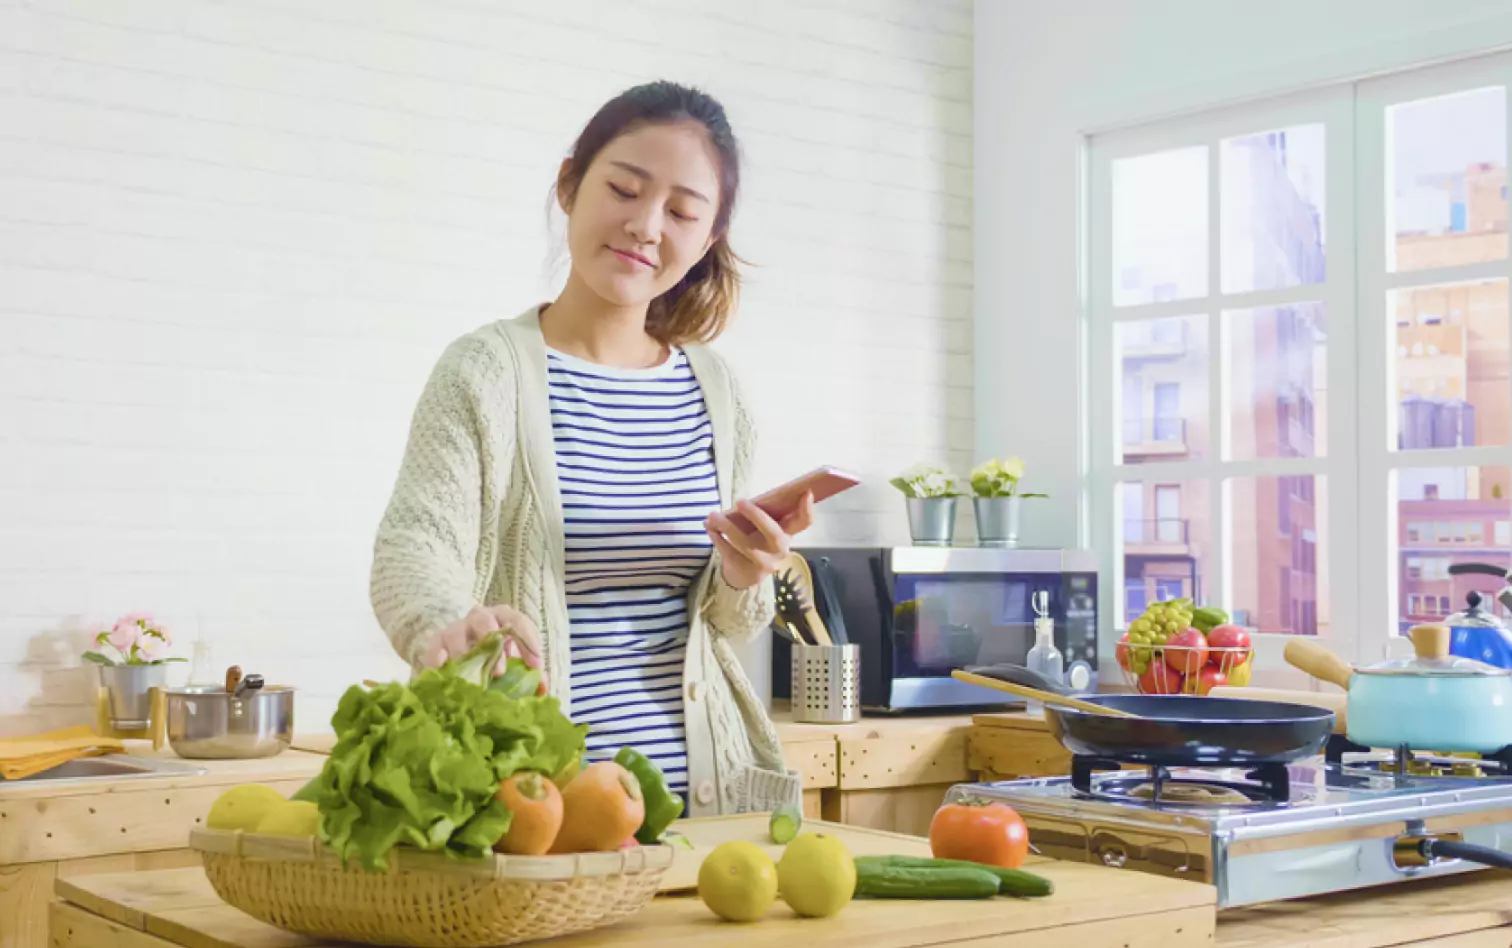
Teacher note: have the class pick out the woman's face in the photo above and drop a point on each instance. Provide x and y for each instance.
(644, 212)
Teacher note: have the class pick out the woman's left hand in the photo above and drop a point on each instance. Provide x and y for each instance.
(748, 558)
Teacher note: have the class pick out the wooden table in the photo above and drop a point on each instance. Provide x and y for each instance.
(1092, 905)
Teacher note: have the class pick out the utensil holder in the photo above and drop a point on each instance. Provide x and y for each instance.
(826, 684)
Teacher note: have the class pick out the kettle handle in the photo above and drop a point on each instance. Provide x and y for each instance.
(1482, 569)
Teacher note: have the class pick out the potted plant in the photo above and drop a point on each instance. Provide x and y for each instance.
(140, 644)
(995, 499)
(931, 494)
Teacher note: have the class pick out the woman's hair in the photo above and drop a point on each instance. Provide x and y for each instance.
(697, 308)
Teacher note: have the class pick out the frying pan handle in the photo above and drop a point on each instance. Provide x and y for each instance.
(1318, 662)
(1449, 849)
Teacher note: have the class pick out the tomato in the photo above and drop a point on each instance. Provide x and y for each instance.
(978, 830)
(1187, 651)
(1210, 678)
(1123, 652)
(1161, 679)
(1230, 646)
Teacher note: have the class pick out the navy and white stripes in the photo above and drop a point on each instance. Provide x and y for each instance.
(635, 464)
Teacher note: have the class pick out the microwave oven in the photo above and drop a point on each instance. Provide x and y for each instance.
(918, 613)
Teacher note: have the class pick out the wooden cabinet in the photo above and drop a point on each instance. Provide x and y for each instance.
(891, 773)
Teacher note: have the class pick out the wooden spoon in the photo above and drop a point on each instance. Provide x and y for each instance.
(1044, 697)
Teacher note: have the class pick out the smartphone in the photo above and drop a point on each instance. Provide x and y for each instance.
(822, 482)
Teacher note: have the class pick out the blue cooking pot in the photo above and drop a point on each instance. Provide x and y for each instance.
(1432, 701)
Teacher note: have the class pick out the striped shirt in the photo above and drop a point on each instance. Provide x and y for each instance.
(635, 462)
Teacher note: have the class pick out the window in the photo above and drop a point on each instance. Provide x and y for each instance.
(1221, 310)
(1311, 293)
(1136, 597)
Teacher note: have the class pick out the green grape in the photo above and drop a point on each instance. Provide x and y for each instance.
(1140, 625)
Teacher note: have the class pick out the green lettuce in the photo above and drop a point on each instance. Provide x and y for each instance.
(419, 764)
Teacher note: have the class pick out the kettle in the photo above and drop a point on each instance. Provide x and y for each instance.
(1477, 633)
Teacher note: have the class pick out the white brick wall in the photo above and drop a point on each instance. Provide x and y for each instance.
(235, 235)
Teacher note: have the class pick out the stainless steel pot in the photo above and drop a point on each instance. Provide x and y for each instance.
(207, 722)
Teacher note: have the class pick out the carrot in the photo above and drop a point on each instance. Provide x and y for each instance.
(602, 807)
(536, 805)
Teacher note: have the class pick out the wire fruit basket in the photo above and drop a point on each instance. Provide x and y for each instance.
(1181, 669)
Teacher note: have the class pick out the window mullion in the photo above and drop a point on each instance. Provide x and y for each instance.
(1218, 581)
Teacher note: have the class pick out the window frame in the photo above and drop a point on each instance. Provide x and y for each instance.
(1360, 465)
(1333, 109)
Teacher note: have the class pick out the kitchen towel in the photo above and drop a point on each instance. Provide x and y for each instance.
(24, 756)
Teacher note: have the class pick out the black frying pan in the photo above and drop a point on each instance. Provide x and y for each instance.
(1180, 730)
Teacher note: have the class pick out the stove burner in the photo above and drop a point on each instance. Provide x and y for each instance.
(1405, 762)
(1180, 792)
(1272, 784)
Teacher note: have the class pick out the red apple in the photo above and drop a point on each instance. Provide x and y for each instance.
(1161, 679)
(1210, 678)
(1123, 653)
(1229, 646)
(1186, 651)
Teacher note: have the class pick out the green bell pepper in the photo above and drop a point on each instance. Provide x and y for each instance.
(662, 805)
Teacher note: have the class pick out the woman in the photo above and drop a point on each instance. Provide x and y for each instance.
(569, 472)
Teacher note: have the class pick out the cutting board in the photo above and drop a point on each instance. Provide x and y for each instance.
(707, 833)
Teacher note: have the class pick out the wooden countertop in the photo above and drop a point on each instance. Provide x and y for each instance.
(292, 764)
(43, 821)
(177, 908)
(868, 728)
(1467, 911)
(1091, 904)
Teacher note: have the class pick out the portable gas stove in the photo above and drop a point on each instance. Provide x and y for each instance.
(1325, 824)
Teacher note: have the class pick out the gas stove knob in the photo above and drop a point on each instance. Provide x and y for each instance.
(1114, 857)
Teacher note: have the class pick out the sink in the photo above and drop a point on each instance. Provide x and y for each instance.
(110, 767)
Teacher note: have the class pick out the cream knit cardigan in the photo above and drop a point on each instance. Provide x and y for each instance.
(476, 517)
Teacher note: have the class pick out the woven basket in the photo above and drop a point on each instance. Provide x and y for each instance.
(425, 899)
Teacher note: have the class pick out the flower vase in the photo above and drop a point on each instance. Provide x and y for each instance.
(997, 520)
(931, 520)
(129, 688)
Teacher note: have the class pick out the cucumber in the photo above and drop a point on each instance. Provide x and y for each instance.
(786, 821)
(903, 882)
(1208, 618)
(1014, 882)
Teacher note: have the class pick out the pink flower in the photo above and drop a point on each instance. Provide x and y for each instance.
(150, 648)
(124, 635)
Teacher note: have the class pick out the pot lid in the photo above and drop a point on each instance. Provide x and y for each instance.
(1431, 643)
(1474, 616)
(1453, 666)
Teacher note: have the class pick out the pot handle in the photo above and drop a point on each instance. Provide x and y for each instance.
(1450, 849)
(1318, 662)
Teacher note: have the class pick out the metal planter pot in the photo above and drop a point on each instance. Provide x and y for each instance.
(129, 687)
(997, 520)
(931, 520)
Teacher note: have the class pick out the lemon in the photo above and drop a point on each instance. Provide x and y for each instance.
(738, 881)
(817, 875)
(1239, 675)
(242, 808)
(291, 818)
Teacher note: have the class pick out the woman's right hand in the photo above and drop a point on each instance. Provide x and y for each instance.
(523, 639)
